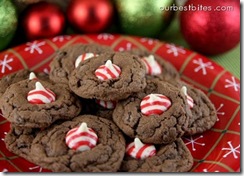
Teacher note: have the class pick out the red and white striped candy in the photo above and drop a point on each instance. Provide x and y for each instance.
(139, 150)
(154, 104)
(152, 66)
(83, 57)
(190, 101)
(108, 71)
(41, 95)
(81, 138)
(32, 76)
(106, 104)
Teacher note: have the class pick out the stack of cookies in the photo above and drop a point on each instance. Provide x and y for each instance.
(104, 111)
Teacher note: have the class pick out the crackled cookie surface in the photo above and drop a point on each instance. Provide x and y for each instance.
(68, 58)
(19, 139)
(158, 115)
(110, 76)
(26, 104)
(85, 144)
(204, 114)
(173, 157)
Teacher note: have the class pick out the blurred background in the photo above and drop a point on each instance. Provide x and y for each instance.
(209, 27)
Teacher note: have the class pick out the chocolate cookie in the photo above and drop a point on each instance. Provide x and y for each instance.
(20, 75)
(157, 115)
(19, 139)
(61, 148)
(156, 67)
(111, 76)
(173, 157)
(65, 61)
(37, 104)
(204, 114)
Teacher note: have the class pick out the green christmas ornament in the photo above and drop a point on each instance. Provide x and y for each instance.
(144, 17)
(8, 22)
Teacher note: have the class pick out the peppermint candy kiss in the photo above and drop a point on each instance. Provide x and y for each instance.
(106, 104)
(81, 138)
(139, 150)
(32, 76)
(40, 95)
(83, 57)
(108, 71)
(152, 66)
(154, 104)
(188, 98)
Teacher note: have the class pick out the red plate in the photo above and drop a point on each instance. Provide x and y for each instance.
(217, 150)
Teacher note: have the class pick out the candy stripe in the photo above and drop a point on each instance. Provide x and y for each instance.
(145, 151)
(36, 101)
(153, 112)
(83, 57)
(85, 135)
(111, 72)
(74, 141)
(40, 95)
(103, 70)
(81, 138)
(117, 69)
(106, 104)
(148, 67)
(51, 93)
(83, 143)
(46, 94)
(139, 154)
(102, 76)
(107, 71)
(71, 131)
(130, 148)
(164, 102)
(75, 136)
(74, 131)
(154, 104)
(44, 97)
(140, 150)
(162, 107)
(190, 101)
(158, 95)
(152, 66)
(114, 71)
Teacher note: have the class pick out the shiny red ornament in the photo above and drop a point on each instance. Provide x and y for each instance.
(211, 26)
(90, 16)
(42, 20)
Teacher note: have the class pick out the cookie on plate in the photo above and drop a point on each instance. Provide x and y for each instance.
(37, 103)
(85, 144)
(19, 139)
(20, 75)
(111, 76)
(173, 157)
(68, 58)
(155, 66)
(159, 114)
(204, 114)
